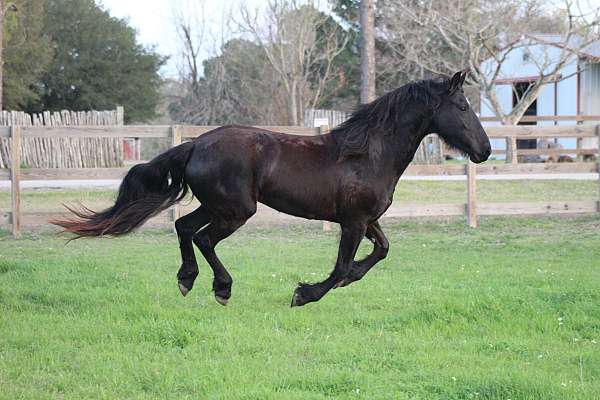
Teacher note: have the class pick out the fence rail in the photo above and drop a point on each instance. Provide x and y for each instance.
(176, 134)
(551, 118)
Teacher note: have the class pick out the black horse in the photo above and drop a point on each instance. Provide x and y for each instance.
(347, 176)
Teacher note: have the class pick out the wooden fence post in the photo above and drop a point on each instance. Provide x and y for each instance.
(120, 115)
(323, 129)
(441, 144)
(15, 180)
(138, 149)
(598, 164)
(511, 150)
(175, 141)
(471, 169)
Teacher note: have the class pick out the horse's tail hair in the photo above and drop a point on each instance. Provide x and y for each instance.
(146, 190)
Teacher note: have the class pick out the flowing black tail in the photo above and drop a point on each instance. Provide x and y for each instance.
(146, 190)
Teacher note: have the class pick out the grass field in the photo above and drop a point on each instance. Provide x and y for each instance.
(507, 311)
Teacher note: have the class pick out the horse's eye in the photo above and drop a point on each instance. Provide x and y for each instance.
(463, 108)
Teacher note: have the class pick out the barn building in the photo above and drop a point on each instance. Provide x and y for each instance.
(574, 90)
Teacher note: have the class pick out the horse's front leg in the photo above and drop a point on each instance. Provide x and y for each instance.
(380, 249)
(352, 234)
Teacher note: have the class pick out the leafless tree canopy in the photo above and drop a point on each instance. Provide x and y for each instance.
(300, 43)
(283, 57)
(440, 37)
(279, 64)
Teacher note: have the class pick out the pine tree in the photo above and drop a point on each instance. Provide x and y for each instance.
(26, 52)
(97, 63)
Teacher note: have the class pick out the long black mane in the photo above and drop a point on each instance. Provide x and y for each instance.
(384, 114)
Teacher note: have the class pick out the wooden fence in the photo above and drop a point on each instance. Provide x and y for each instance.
(580, 151)
(16, 218)
(64, 152)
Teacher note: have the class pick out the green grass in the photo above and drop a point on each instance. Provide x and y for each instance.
(407, 192)
(496, 191)
(507, 311)
(52, 199)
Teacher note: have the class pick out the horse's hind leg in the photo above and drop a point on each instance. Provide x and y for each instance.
(186, 226)
(380, 249)
(206, 240)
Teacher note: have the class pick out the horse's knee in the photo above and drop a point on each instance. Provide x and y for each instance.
(202, 240)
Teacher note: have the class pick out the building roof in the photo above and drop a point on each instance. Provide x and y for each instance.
(592, 50)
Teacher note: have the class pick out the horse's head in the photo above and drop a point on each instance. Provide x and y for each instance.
(456, 122)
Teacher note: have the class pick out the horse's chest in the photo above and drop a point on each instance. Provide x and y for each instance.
(369, 201)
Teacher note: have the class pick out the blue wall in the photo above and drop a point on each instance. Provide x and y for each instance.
(519, 64)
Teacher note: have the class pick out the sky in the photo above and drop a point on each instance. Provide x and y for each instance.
(154, 22)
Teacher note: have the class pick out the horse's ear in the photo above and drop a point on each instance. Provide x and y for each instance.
(464, 72)
(455, 82)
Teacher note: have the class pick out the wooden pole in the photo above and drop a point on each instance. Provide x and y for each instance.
(138, 149)
(598, 163)
(511, 150)
(471, 170)
(175, 141)
(327, 227)
(120, 115)
(367, 51)
(15, 180)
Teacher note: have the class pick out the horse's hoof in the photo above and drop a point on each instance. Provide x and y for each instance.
(297, 299)
(221, 300)
(184, 291)
(345, 282)
(340, 284)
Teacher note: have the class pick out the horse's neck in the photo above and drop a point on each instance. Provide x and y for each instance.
(397, 149)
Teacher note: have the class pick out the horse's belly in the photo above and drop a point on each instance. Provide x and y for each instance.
(301, 201)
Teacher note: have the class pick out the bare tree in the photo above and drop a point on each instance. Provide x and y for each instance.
(443, 37)
(190, 29)
(221, 79)
(367, 51)
(301, 44)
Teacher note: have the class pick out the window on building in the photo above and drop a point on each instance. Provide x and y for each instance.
(519, 89)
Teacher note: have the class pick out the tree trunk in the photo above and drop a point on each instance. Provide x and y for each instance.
(521, 107)
(367, 51)
(292, 105)
(1, 54)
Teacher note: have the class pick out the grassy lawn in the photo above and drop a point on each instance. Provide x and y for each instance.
(496, 191)
(407, 192)
(507, 311)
